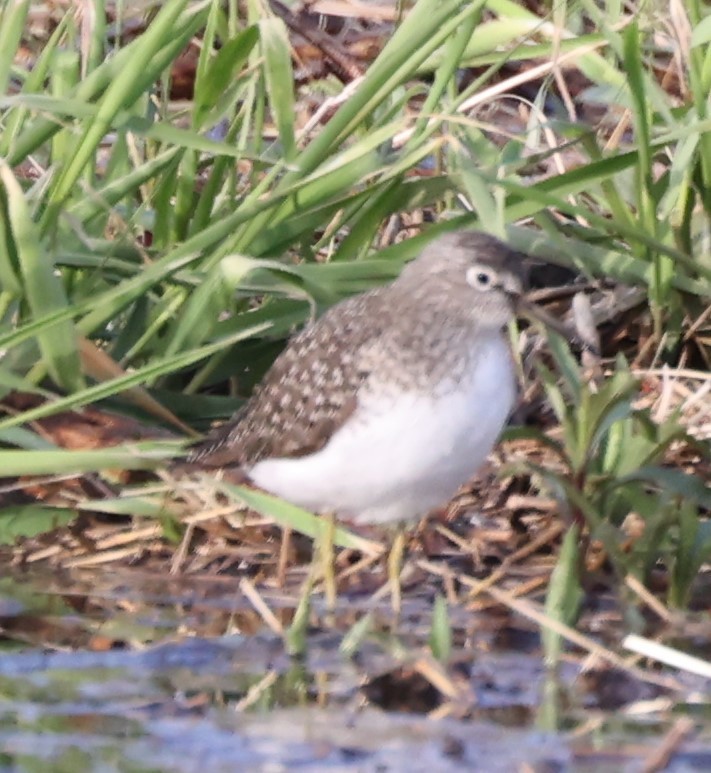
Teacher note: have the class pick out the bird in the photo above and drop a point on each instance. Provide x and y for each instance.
(382, 408)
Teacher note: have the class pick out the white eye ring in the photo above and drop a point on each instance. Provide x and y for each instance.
(481, 278)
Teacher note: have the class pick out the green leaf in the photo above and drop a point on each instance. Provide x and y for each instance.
(25, 439)
(296, 636)
(276, 49)
(221, 71)
(691, 487)
(286, 514)
(566, 364)
(356, 635)
(155, 368)
(701, 34)
(131, 504)
(31, 520)
(138, 456)
(141, 69)
(12, 23)
(114, 191)
(441, 631)
(553, 393)
(43, 288)
(693, 549)
(564, 594)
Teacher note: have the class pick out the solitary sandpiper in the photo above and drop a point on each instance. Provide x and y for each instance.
(382, 408)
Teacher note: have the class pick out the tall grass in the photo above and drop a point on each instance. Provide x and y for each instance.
(150, 249)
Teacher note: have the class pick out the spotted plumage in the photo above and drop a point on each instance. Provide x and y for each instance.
(315, 431)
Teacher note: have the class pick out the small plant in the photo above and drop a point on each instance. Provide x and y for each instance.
(612, 468)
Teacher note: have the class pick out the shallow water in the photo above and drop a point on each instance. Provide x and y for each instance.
(124, 673)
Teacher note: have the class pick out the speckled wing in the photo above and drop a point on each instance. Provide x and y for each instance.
(307, 394)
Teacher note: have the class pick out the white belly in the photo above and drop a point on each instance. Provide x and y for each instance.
(402, 453)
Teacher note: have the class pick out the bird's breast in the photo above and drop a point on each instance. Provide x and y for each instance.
(404, 451)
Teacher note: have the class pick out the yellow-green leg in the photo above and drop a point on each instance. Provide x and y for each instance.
(283, 560)
(397, 551)
(327, 561)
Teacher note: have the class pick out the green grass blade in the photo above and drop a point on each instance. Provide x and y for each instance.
(296, 518)
(12, 23)
(138, 456)
(279, 81)
(139, 69)
(43, 288)
(136, 378)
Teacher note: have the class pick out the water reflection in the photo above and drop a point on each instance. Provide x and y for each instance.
(130, 674)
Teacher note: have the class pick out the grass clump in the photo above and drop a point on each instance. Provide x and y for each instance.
(156, 252)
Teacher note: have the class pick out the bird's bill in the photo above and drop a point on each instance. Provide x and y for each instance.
(529, 310)
(581, 331)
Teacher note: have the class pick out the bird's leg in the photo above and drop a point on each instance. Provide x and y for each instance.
(397, 550)
(283, 562)
(327, 560)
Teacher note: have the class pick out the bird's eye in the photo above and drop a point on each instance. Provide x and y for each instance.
(480, 278)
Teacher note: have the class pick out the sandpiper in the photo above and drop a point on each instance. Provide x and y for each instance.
(382, 408)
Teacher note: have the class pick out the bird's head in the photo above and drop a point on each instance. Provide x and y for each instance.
(469, 272)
